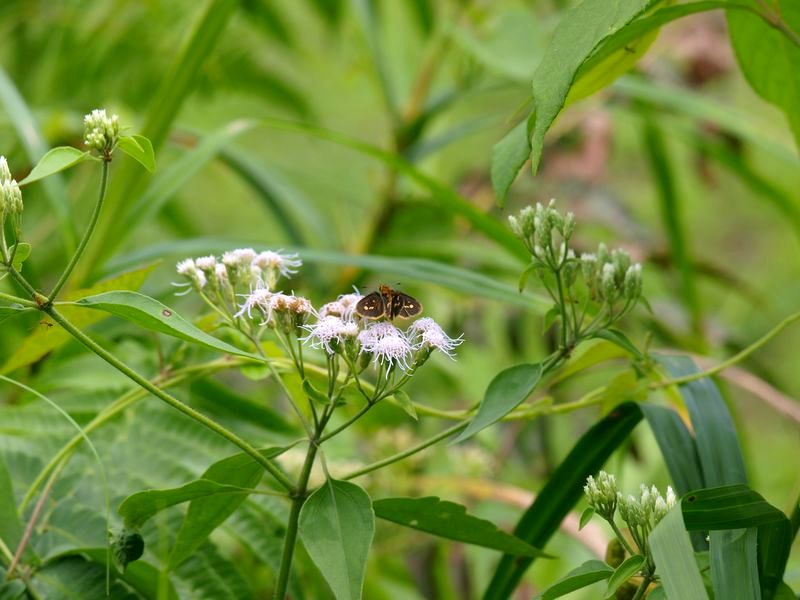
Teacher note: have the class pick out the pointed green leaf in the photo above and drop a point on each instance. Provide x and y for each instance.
(620, 339)
(10, 525)
(23, 251)
(506, 391)
(629, 567)
(508, 157)
(140, 149)
(451, 521)
(336, 525)
(674, 558)
(404, 401)
(586, 516)
(588, 573)
(56, 160)
(151, 314)
(727, 507)
(13, 310)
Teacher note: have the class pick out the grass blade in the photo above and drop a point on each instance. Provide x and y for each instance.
(674, 558)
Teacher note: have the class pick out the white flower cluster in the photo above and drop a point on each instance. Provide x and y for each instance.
(244, 266)
(611, 276)
(338, 330)
(101, 132)
(10, 194)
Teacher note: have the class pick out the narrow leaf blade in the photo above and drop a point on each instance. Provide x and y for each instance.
(674, 557)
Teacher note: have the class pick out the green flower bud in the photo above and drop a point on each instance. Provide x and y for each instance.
(101, 132)
(603, 255)
(5, 172)
(633, 282)
(10, 198)
(588, 267)
(569, 225)
(602, 494)
(608, 284)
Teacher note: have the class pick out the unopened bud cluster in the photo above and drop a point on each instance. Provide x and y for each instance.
(10, 194)
(610, 276)
(101, 132)
(641, 514)
(545, 233)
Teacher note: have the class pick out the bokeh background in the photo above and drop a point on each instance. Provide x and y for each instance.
(678, 162)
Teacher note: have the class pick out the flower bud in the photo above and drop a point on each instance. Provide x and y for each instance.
(633, 282)
(602, 494)
(10, 197)
(588, 267)
(607, 282)
(101, 132)
(603, 255)
(5, 172)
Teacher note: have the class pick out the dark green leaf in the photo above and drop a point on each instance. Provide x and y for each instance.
(727, 507)
(508, 157)
(151, 314)
(674, 558)
(55, 161)
(580, 31)
(451, 521)
(314, 394)
(140, 149)
(506, 391)
(774, 546)
(629, 567)
(404, 401)
(677, 447)
(562, 491)
(588, 573)
(336, 525)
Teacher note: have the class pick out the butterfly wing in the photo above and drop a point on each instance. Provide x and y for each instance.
(407, 306)
(371, 306)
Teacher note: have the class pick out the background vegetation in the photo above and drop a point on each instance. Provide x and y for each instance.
(359, 135)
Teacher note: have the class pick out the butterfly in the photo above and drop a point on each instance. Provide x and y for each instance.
(388, 303)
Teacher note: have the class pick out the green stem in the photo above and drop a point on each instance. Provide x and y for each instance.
(734, 359)
(406, 453)
(362, 411)
(171, 400)
(86, 236)
(648, 579)
(289, 542)
(621, 538)
(16, 300)
(562, 308)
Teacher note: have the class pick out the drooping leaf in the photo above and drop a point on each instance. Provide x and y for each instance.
(140, 149)
(674, 557)
(55, 161)
(562, 492)
(586, 516)
(336, 525)
(506, 391)
(629, 567)
(588, 573)
(151, 314)
(206, 513)
(451, 521)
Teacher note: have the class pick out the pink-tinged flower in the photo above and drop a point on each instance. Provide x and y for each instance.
(258, 298)
(393, 350)
(327, 331)
(375, 332)
(269, 303)
(344, 306)
(426, 333)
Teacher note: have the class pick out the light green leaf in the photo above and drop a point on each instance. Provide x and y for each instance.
(769, 59)
(206, 513)
(588, 573)
(506, 391)
(586, 516)
(140, 149)
(336, 525)
(581, 30)
(7, 312)
(21, 255)
(55, 161)
(674, 558)
(151, 314)
(10, 525)
(508, 156)
(451, 521)
(622, 573)
(620, 339)
(404, 401)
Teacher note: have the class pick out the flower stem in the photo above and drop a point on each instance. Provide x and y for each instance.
(171, 400)
(16, 300)
(621, 537)
(86, 236)
(646, 581)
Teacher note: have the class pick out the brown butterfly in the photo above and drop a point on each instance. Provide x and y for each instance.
(388, 303)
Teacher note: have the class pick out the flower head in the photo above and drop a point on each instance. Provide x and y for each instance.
(374, 332)
(101, 132)
(188, 268)
(328, 331)
(426, 333)
(392, 350)
(271, 265)
(10, 198)
(5, 172)
(344, 306)
(602, 494)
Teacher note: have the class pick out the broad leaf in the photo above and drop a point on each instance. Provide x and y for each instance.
(562, 491)
(336, 525)
(588, 573)
(674, 558)
(140, 149)
(629, 567)
(450, 520)
(506, 391)
(151, 314)
(56, 160)
(727, 507)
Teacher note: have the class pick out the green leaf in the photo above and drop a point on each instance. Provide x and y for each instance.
(769, 59)
(12, 310)
(506, 391)
(206, 513)
(404, 401)
(677, 447)
(22, 254)
(46, 339)
(580, 31)
(314, 394)
(508, 157)
(451, 521)
(140, 149)
(55, 161)
(151, 314)
(629, 567)
(727, 507)
(10, 525)
(586, 516)
(523, 278)
(615, 336)
(674, 558)
(588, 573)
(562, 491)
(336, 525)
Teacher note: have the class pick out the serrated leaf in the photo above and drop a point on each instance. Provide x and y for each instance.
(629, 567)
(140, 149)
(45, 340)
(336, 525)
(588, 573)
(151, 314)
(56, 160)
(451, 521)
(506, 391)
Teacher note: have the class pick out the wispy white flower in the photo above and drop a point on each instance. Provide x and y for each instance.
(344, 306)
(392, 350)
(188, 268)
(285, 264)
(239, 257)
(208, 264)
(258, 298)
(426, 333)
(269, 303)
(328, 330)
(375, 332)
